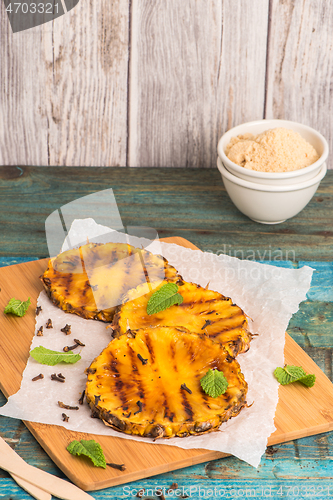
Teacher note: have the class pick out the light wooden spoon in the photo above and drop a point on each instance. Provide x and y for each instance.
(33, 490)
(14, 464)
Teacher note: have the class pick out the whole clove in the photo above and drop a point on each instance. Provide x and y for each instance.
(54, 376)
(143, 361)
(184, 386)
(270, 450)
(174, 486)
(67, 407)
(97, 399)
(38, 310)
(70, 347)
(60, 375)
(82, 397)
(66, 329)
(65, 417)
(78, 342)
(40, 332)
(207, 323)
(117, 466)
(140, 493)
(38, 377)
(140, 407)
(159, 493)
(49, 323)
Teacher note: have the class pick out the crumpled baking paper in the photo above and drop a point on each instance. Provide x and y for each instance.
(269, 295)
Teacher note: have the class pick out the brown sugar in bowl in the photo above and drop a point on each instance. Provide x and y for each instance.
(274, 178)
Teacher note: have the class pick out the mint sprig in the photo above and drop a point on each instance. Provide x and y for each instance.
(163, 298)
(291, 373)
(214, 383)
(90, 449)
(17, 307)
(51, 358)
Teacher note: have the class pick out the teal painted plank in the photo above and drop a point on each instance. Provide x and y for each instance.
(307, 458)
(9, 490)
(312, 325)
(322, 281)
(176, 202)
(287, 264)
(201, 489)
(230, 472)
(11, 261)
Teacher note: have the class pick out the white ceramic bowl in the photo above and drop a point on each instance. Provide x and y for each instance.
(269, 204)
(280, 178)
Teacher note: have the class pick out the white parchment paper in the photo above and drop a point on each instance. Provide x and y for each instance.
(268, 294)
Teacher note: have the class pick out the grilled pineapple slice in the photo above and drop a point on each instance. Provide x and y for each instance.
(90, 280)
(135, 384)
(202, 312)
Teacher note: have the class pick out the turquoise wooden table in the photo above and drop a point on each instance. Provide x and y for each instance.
(193, 204)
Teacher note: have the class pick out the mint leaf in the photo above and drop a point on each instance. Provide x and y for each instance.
(291, 373)
(164, 298)
(90, 449)
(51, 358)
(214, 383)
(17, 307)
(308, 380)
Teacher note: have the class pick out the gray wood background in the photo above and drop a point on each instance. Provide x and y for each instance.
(156, 83)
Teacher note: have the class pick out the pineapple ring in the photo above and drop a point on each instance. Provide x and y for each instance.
(203, 311)
(136, 384)
(89, 281)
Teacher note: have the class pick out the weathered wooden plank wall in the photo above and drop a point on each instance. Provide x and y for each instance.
(140, 83)
(300, 63)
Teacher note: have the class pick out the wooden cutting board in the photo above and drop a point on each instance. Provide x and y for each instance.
(299, 413)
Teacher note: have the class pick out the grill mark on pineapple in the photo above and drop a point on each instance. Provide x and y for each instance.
(193, 303)
(167, 414)
(173, 353)
(120, 386)
(144, 266)
(123, 387)
(191, 352)
(225, 319)
(195, 423)
(205, 400)
(121, 391)
(135, 363)
(219, 328)
(150, 347)
(61, 290)
(231, 333)
(187, 406)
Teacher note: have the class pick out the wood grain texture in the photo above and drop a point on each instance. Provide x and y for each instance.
(137, 83)
(191, 203)
(193, 69)
(300, 64)
(86, 82)
(297, 415)
(63, 93)
(283, 466)
(23, 124)
(312, 452)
